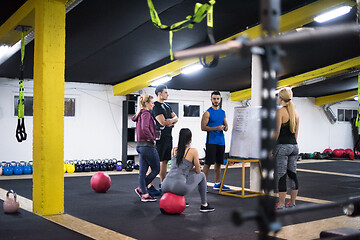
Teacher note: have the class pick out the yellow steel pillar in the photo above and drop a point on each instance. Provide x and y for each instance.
(48, 120)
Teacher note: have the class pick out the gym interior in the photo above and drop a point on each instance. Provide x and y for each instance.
(84, 63)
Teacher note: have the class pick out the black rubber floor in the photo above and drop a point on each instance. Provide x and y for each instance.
(26, 225)
(121, 210)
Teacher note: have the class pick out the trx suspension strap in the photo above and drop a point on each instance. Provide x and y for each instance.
(210, 32)
(201, 10)
(20, 129)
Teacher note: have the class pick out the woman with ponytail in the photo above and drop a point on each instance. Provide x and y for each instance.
(286, 150)
(185, 174)
(145, 146)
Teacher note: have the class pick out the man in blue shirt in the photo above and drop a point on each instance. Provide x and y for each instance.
(214, 123)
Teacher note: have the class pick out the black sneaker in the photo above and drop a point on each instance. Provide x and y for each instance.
(187, 204)
(148, 198)
(138, 192)
(153, 191)
(206, 209)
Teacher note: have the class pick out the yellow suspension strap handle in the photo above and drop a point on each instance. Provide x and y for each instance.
(200, 12)
(20, 129)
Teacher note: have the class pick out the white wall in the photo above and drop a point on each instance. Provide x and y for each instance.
(201, 98)
(316, 133)
(94, 132)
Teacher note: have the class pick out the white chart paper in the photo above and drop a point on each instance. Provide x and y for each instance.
(245, 138)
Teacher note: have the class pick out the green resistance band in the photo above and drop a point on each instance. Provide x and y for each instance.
(357, 117)
(20, 129)
(200, 12)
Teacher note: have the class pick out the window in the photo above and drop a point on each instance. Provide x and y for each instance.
(28, 102)
(174, 107)
(69, 108)
(345, 115)
(191, 111)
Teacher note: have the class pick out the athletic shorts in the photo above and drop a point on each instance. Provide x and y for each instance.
(214, 154)
(164, 147)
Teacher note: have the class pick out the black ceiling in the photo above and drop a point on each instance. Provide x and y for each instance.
(110, 41)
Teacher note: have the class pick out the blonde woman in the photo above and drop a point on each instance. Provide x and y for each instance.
(145, 146)
(286, 150)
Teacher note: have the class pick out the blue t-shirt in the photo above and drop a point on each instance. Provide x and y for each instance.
(216, 118)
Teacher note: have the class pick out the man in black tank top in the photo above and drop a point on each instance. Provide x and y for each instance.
(165, 120)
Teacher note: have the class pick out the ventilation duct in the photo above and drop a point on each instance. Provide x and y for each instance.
(245, 103)
(330, 113)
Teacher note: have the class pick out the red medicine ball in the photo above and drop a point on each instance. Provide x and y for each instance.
(338, 153)
(172, 204)
(100, 182)
(327, 150)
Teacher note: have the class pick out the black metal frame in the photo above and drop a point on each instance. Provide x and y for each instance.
(267, 47)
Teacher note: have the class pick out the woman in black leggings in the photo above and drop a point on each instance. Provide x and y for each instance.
(286, 150)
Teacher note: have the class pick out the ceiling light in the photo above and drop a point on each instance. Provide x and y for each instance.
(332, 14)
(6, 54)
(313, 80)
(6, 51)
(161, 80)
(191, 68)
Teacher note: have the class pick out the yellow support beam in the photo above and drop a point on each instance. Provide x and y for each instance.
(24, 16)
(288, 21)
(327, 71)
(144, 80)
(48, 108)
(336, 97)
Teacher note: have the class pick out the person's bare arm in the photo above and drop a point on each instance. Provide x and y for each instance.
(204, 122)
(297, 121)
(196, 161)
(174, 119)
(226, 127)
(163, 122)
(173, 152)
(278, 125)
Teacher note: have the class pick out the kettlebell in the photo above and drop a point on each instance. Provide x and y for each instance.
(18, 170)
(95, 166)
(129, 165)
(79, 167)
(13, 164)
(27, 169)
(103, 166)
(22, 164)
(65, 166)
(119, 166)
(109, 165)
(70, 167)
(10, 204)
(30, 163)
(8, 170)
(86, 166)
